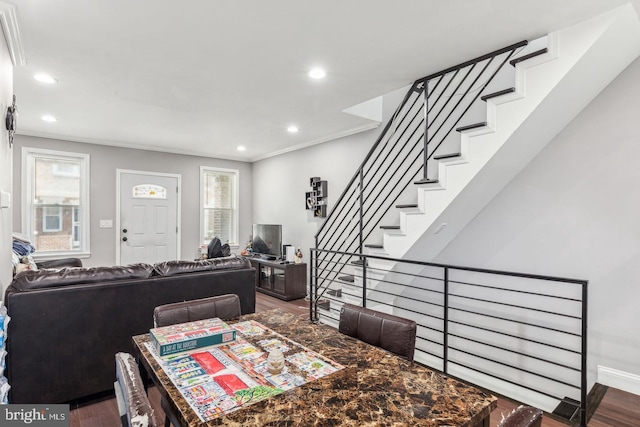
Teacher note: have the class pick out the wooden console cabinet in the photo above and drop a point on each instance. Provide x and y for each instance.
(283, 281)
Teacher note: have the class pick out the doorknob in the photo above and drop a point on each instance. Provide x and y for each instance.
(124, 239)
(124, 230)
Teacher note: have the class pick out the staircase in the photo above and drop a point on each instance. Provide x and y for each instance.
(552, 86)
(458, 138)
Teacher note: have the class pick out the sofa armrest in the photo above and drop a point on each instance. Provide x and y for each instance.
(59, 263)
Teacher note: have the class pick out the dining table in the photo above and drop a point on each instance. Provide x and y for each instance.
(372, 386)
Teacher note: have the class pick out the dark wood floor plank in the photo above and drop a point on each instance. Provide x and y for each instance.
(617, 408)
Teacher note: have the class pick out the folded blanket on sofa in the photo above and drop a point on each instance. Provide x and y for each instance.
(23, 248)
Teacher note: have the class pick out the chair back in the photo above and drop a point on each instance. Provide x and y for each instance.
(132, 400)
(214, 248)
(523, 416)
(225, 307)
(393, 333)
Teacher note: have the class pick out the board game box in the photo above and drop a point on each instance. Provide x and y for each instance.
(190, 336)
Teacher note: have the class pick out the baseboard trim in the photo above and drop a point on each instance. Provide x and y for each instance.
(619, 379)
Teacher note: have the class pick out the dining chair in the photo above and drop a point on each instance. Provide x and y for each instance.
(522, 416)
(393, 333)
(133, 404)
(225, 307)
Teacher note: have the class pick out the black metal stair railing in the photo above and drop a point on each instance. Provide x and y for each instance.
(509, 332)
(405, 153)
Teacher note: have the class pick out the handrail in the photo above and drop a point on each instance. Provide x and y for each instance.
(490, 340)
(369, 154)
(481, 58)
(508, 273)
(392, 139)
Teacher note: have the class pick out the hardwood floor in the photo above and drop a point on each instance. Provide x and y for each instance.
(617, 408)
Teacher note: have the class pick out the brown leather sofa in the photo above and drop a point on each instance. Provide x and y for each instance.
(67, 324)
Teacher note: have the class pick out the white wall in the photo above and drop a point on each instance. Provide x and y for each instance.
(280, 183)
(574, 212)
(6, 98)
(104, 162)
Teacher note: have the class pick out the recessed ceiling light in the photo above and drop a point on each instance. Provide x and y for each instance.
(317, 73)
(49, 118)
(292, 129)
(241, 148)
(45, 78)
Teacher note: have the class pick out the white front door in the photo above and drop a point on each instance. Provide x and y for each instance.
(148, 221)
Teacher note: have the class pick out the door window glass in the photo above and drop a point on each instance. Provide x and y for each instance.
(149, 191)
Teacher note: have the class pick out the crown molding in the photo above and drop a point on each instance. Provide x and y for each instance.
(336, 135)
(123, 144)
(11, 29)
(181, 150)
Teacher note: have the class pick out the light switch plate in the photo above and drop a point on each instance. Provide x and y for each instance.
(106, 223)
(5, 200)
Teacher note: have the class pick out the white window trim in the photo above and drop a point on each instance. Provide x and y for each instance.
(28, 189)
(236, 201)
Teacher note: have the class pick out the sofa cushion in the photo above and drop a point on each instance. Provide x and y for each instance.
(170, 268)
(59, 263)
(51, 277)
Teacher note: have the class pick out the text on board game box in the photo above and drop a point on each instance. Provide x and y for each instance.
(191, 335)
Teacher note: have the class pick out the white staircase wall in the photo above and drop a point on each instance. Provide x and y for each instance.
(551, 90)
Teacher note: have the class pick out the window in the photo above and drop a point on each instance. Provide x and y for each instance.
(56, 204)
(51, 219)
(149, 191)
(219, 205)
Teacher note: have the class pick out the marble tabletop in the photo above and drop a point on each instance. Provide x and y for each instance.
(376, 388)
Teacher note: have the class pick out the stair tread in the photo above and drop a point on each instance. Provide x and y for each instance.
(335, 292)
(473, 126)
(358, 262)
(324, 304)
(415, 205)
(528, 56)
(447, 156)
(426, 181)
(390, 227)
(348, 278)
(498, 93)
(374, 245)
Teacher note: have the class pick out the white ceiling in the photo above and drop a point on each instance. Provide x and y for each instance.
(204, 76)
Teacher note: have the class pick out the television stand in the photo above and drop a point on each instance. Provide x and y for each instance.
(268, 257)
(284, 281)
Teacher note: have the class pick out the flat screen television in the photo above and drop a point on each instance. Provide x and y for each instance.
(267, 240)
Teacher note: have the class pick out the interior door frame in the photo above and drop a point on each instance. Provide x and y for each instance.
(119, 173)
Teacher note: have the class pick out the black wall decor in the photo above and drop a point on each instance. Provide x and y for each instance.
(316, 199)
(10, 120)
